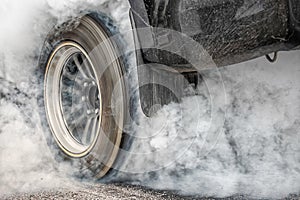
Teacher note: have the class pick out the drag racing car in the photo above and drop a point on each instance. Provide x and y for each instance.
(86, 91)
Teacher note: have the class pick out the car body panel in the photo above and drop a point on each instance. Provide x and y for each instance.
(231, 31)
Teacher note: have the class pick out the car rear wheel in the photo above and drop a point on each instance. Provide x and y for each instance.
(85, 93)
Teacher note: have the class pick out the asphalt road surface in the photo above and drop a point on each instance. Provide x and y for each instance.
(113, 191)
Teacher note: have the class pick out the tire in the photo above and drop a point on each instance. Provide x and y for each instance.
(85, 94)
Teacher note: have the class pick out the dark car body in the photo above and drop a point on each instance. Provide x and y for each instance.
(230, 31)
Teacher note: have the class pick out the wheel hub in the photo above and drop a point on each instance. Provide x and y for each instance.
(91, 98)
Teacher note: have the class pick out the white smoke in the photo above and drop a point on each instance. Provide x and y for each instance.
(257, 151)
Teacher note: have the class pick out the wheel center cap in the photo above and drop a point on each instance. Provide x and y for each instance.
(92, 98)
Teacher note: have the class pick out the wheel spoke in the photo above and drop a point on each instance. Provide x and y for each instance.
(76, 122)
(86, 131)
(94, 128)
(75, 112)
(66, 80)
(79, 66)
(68, 75)
(89, 130)
(83, 67)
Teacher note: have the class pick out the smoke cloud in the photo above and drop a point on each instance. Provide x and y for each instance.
(254, 150)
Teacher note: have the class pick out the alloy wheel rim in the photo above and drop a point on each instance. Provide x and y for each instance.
(73, 99)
